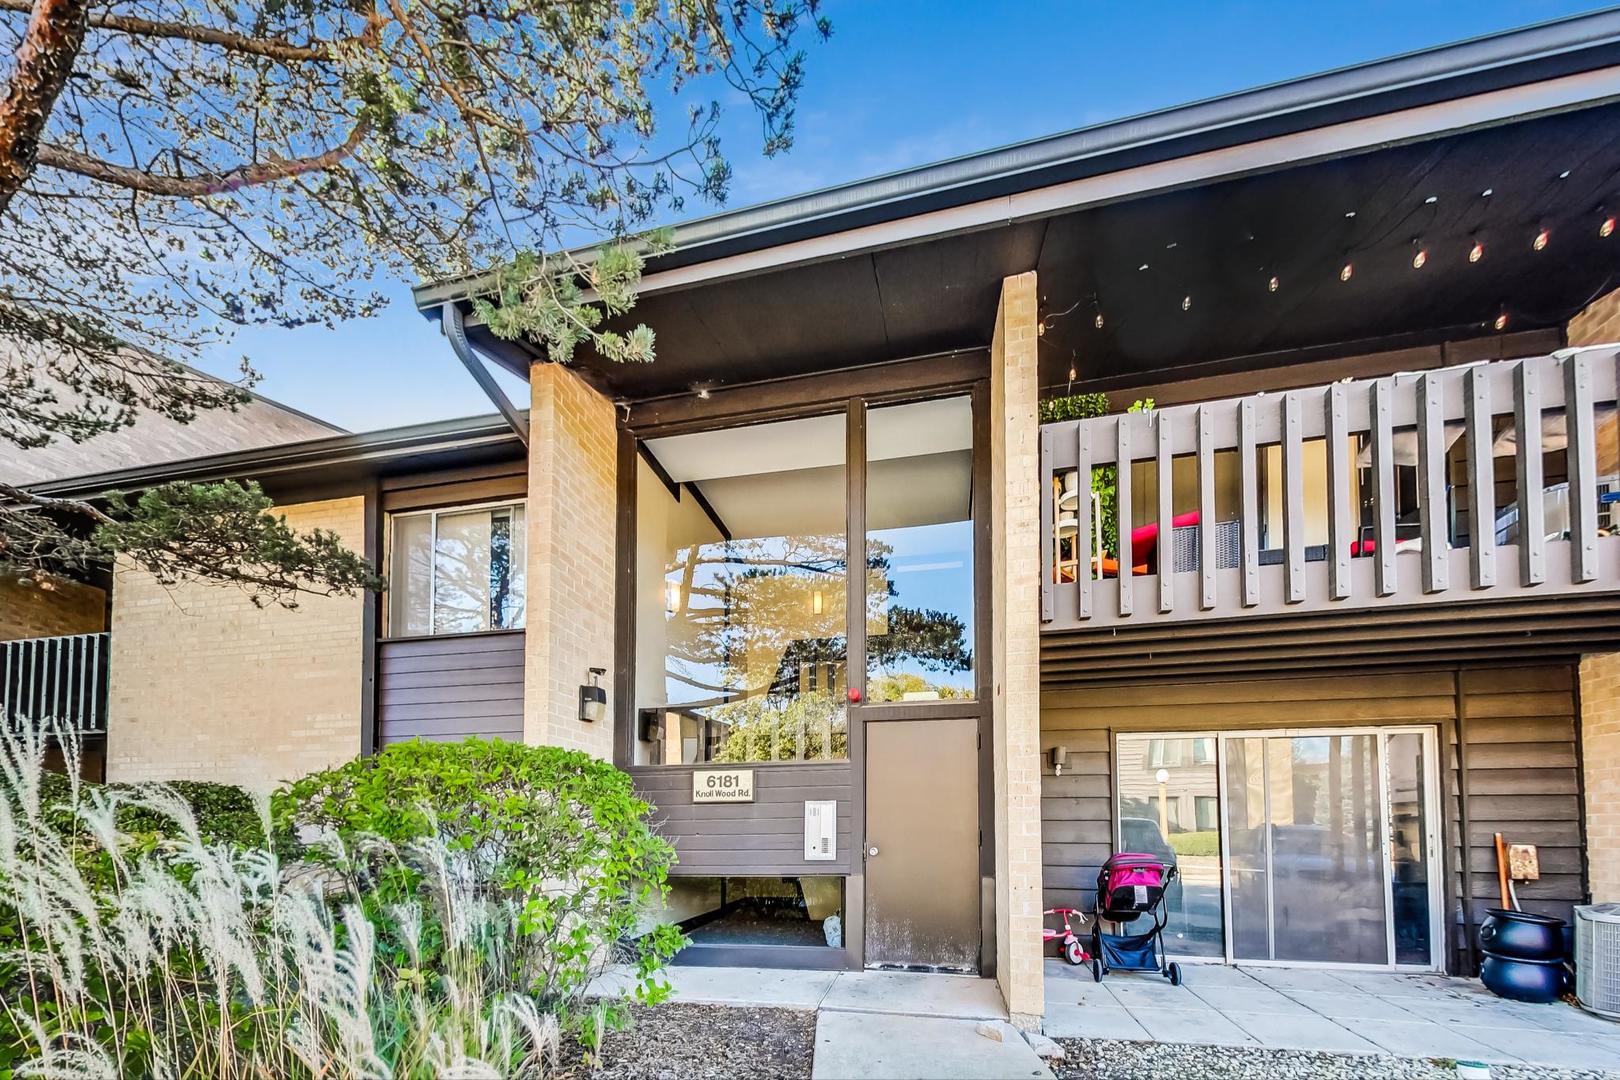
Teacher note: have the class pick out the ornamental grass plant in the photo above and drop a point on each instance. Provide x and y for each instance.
(179, 956)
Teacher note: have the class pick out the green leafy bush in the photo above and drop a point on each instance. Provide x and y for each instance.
(555, 836)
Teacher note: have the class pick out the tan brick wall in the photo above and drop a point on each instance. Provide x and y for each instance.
(61, 607)
(206, 686)
(1600, 761)
(1016, 576)
(1599, 324)
(573, 466)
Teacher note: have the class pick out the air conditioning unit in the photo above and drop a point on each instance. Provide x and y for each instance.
(1597, 958)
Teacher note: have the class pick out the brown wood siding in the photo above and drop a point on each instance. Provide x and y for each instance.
(765, 837)
(446, 688)
(1522, 778)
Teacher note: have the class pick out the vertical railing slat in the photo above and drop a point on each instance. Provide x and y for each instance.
(95, 682)
(1122, 495)
(1431, 463)
(1049, 513)
(1206, 509)
(1167, 534)
(1582, 467)
(1481, 479)
(1082, 517)
(1293, 497)
(1384, 494)
(1247, 464)
(1341, 531)
(1527, 477)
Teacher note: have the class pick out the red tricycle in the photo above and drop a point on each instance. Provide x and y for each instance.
(1073, 951)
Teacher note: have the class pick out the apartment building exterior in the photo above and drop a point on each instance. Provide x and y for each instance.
(900, 665)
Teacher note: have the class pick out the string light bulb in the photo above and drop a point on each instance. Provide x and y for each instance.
(1073, 373)
(1098, 321)
(1346, 272)
(1477, 252)
(1271, 286)
(1186, 303)
(1419, 257)
(1501, 321)
(1540, 242)
(1606, 229)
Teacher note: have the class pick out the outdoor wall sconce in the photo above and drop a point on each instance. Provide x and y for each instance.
(1059, 756)
(593, 698)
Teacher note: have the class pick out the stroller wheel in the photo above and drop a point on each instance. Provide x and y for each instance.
(1097, 968)
(1173, 973)
(1074, 952)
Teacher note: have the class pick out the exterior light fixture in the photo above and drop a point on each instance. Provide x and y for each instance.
(1477, 252)
(1098, 321)
(1186, 303)
(1606, 229)
(1059, 756)
(1501, 321)
(1540, 242)
(1419, 257)
(1073, 373)
(1271, 286)
(1431, 200)
(1346, 272)
(1487, 193)
(672, 597)
(593, 698)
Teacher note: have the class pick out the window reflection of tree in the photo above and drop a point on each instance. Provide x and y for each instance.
(465, 572)
(753, 599)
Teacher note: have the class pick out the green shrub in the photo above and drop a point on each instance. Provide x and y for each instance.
(555, 835)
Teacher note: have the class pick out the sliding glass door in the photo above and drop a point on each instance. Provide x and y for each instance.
(1330, 840)
(1316, 846)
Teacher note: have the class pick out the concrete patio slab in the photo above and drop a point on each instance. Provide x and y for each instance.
(1585, 1052)
(1350, 1005)
(1282, 1031)
(1078, 992)
(1251, 998)
(765, 987)
(1205, 1027)
(1151, 991)
(1419, 1039)
(1286, 979)
(1065, 1021)
(956, 996)
(1202, 975)
(888, 1047)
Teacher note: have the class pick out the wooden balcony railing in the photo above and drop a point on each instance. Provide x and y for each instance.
(1411, 489)
(55, 678)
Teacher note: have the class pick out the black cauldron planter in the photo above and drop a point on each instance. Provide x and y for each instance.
(1524, 955)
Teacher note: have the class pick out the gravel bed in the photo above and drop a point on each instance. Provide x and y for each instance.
(701, 1042)
(1108, 1059)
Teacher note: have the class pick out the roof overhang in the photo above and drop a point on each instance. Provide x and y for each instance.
(805, 281)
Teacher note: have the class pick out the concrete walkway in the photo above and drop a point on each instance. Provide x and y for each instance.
(1419, 1016)
(879, 1025)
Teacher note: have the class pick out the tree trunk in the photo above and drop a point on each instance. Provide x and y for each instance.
(45, 60)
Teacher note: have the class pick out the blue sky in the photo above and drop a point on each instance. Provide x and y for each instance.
(902, 83)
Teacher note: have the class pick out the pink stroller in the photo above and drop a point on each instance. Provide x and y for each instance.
(1131, 885)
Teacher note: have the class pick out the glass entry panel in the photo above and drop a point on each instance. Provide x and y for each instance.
(1411, 875)
(1168, 789)
(1304, 836)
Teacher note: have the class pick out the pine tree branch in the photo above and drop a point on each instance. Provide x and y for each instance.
(45, 59)
(270, 47)
(192, 187)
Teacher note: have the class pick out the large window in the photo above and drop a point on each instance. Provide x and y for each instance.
(1169, 807)
(456, 571)
(919, 551)
(741, 594)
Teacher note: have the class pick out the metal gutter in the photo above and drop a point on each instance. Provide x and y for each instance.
(1538, 53)
(370, 448)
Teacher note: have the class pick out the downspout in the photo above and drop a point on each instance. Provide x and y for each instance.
(450, 321)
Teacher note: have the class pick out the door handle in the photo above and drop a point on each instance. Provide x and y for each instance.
(871, 851)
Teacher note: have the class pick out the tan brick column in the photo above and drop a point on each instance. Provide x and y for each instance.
(1015, 576)
(572, 493)
(1599, 324)
(1600, 764)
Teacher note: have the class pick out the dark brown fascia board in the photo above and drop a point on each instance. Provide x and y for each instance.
(1502, 61)
(370, 450)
